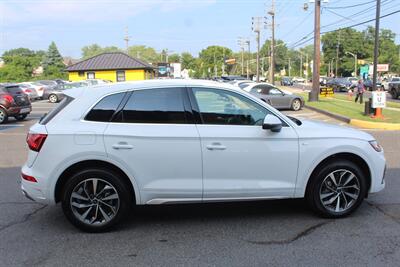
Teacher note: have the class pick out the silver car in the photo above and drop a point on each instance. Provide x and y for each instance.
(275, 97)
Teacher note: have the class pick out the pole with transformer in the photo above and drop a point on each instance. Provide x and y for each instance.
(272, 59)
(313, 96)
(248, 58)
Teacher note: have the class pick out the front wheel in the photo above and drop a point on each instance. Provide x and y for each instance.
(296, 104)
(95, 200)
(337, 189)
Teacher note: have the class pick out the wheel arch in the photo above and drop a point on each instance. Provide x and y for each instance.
(356, 159)
(63, 178)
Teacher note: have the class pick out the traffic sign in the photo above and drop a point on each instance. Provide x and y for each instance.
(378, 99)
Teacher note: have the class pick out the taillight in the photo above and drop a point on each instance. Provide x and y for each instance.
(35, 141)
(9, 98)
(28, 91)
(28, 178)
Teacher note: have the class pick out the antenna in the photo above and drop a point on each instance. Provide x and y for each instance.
(127, 38)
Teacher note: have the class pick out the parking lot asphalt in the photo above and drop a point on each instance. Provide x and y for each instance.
(273, 233)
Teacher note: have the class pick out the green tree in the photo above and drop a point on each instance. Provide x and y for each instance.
(280, 54)
(145, 53)
(19, 64)
(188, 61)
(213, 60)
(95, 49)
(53, 65)
(174, 58)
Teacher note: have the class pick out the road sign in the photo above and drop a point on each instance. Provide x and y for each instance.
(383, 67)
(326, 92)
(378, 99)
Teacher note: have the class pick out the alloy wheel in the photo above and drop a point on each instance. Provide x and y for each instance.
(2, 115)
(339, 190)
(53, 98)
(296, 104)
(94, 201)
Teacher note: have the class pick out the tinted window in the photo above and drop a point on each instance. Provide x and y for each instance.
(103, 110)
(14, 90)
(228, 108)
(155, 106)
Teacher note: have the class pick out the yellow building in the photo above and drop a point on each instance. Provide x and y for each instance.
(112, 66)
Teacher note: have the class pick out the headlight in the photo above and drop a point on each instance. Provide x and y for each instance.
(376, 146)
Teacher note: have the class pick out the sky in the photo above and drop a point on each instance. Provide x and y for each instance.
(176, 25)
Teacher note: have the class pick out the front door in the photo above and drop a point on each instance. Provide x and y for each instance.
(240, 159)
(154, 138)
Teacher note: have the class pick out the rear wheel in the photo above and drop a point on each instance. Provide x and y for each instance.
(95, 200)
(337, 189)
(296, 104)
(3, 116)
(21, 117)
(53, 98)
(394, 94)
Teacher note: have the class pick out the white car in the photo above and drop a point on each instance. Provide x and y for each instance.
(177, 141)
(241, 83)
(298, 80)
(39, 88)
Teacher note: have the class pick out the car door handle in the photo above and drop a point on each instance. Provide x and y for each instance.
(216, 146)
(122, 145)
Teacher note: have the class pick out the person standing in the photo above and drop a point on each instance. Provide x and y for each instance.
(360, 89)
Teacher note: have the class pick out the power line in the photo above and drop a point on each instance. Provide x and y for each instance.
(341, 7)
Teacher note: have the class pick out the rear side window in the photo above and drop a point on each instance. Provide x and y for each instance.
(154, 106)
(60, 106)
(14, 90)
(104, 110)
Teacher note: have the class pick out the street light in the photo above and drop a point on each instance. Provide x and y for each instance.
(355, 61)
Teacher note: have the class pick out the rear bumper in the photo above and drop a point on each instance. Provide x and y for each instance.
(35, 191)
(12, 111)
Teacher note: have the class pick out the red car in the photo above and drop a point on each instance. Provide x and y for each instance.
(13, 103)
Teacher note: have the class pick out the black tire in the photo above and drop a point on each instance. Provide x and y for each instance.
(315, 184)
(3, 116)
(296, 104)
(21, 117)
(394, 94)
(121, 188)
(53, 98)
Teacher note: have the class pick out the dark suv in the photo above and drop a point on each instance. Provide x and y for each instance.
(13, 102)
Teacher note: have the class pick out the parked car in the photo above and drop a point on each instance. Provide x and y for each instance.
(394, 87)
(275, 97)
(261, 78)
(368, 84)
(178, 141)
(241, 83)
(71, 85)
(48, 83)
(59, 81)
(95, 81)
(353, 80)
(37, 86)
(29, 90)
(13, 103)
(55, 94)
(339, 84)
(228, 78)
(298, 80)
(286, 81)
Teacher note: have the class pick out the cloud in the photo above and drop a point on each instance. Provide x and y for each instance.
(85, 11)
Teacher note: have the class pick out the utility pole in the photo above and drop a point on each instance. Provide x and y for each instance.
(248, 58)
(376, 47)
(256, 27)
(289, 68)
(313, 96)
(127, 38)
(241, 43)
(301, 65)
(307, 69)
(337, 55)
(272, 59)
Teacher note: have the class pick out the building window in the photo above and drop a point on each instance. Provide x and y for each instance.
(81, 73)
(90, 75)
(120, 76)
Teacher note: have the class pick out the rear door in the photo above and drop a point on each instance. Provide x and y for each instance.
(155, 138)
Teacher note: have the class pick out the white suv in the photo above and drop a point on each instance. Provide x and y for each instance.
(176, 141)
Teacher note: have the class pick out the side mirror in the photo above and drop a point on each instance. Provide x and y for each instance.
(272, 123)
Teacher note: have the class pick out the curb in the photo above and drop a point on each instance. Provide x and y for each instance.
(375, 125)
(330, 114)
(358, 123)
